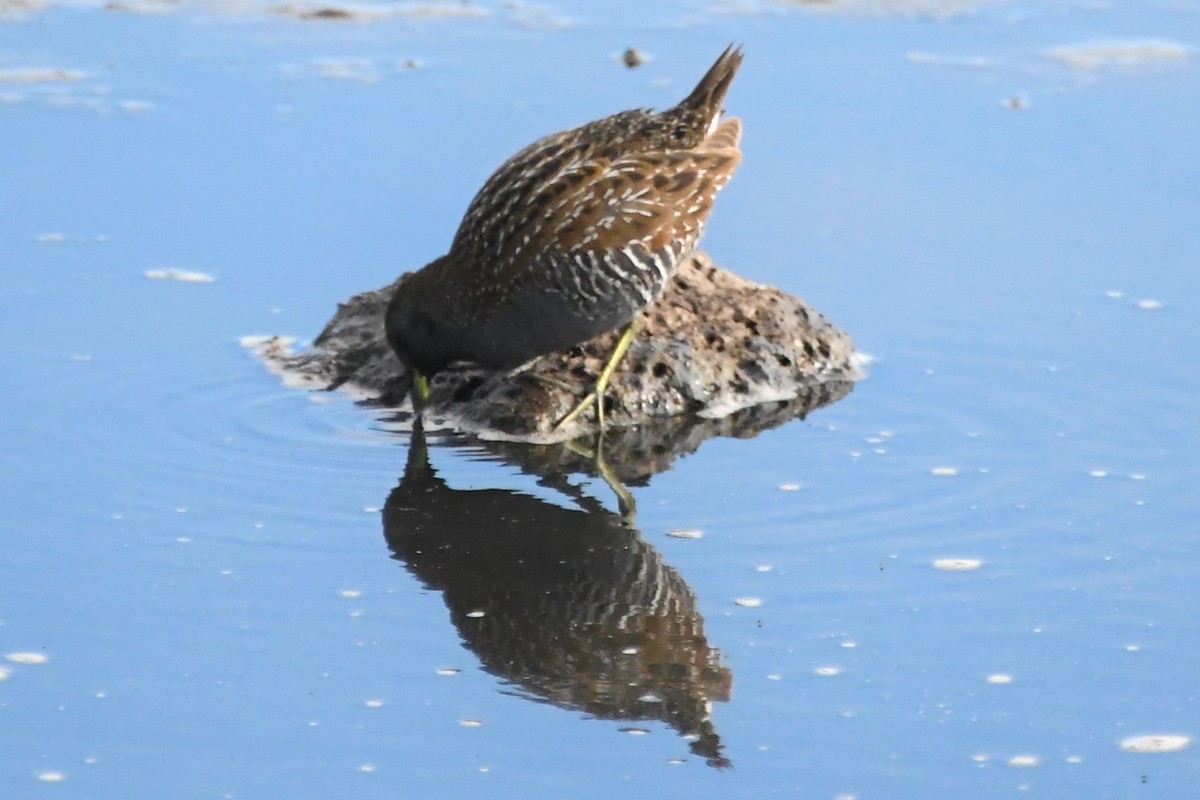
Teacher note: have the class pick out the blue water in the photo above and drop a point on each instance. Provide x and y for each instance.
(198, 551)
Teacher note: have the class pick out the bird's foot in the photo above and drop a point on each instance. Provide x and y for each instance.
(580, 407)
(555, 382)
(597, 394)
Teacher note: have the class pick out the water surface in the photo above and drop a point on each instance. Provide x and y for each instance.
(997, 200)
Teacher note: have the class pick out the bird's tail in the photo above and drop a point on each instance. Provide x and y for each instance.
(709, 95)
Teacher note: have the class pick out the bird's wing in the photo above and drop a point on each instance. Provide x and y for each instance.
(565, 205)
(659, 199)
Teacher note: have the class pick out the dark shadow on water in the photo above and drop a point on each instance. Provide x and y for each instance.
(566, 602)
(577, 610)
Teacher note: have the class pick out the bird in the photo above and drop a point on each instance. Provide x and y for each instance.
(572, 237)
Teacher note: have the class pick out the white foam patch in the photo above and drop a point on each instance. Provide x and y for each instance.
(1119, 53)
(955, 62)
(1156, 743)
(28, 76)
(938, 9)
(136, 106)
(359, 70)
(859, 361)
(686, 534)
(180, 275)
(957, 564)
(306, 10)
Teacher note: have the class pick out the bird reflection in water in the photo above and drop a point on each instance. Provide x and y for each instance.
(578, 610)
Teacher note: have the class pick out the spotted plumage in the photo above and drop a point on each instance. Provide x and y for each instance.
(573, 236)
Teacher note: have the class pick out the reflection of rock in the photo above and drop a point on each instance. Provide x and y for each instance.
(577, 610)
(635, 454)
(712, 345)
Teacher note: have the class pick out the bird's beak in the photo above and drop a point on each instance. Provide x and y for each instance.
(419, 390)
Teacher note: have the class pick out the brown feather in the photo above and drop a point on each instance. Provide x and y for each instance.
(586, 225)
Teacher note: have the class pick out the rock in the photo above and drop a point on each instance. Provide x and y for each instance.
(713, 345)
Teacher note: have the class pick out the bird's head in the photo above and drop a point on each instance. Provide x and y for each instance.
(415, 329)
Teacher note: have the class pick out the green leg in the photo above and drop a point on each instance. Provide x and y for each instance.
(555, 382)
(625, 502)
(597, 394)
